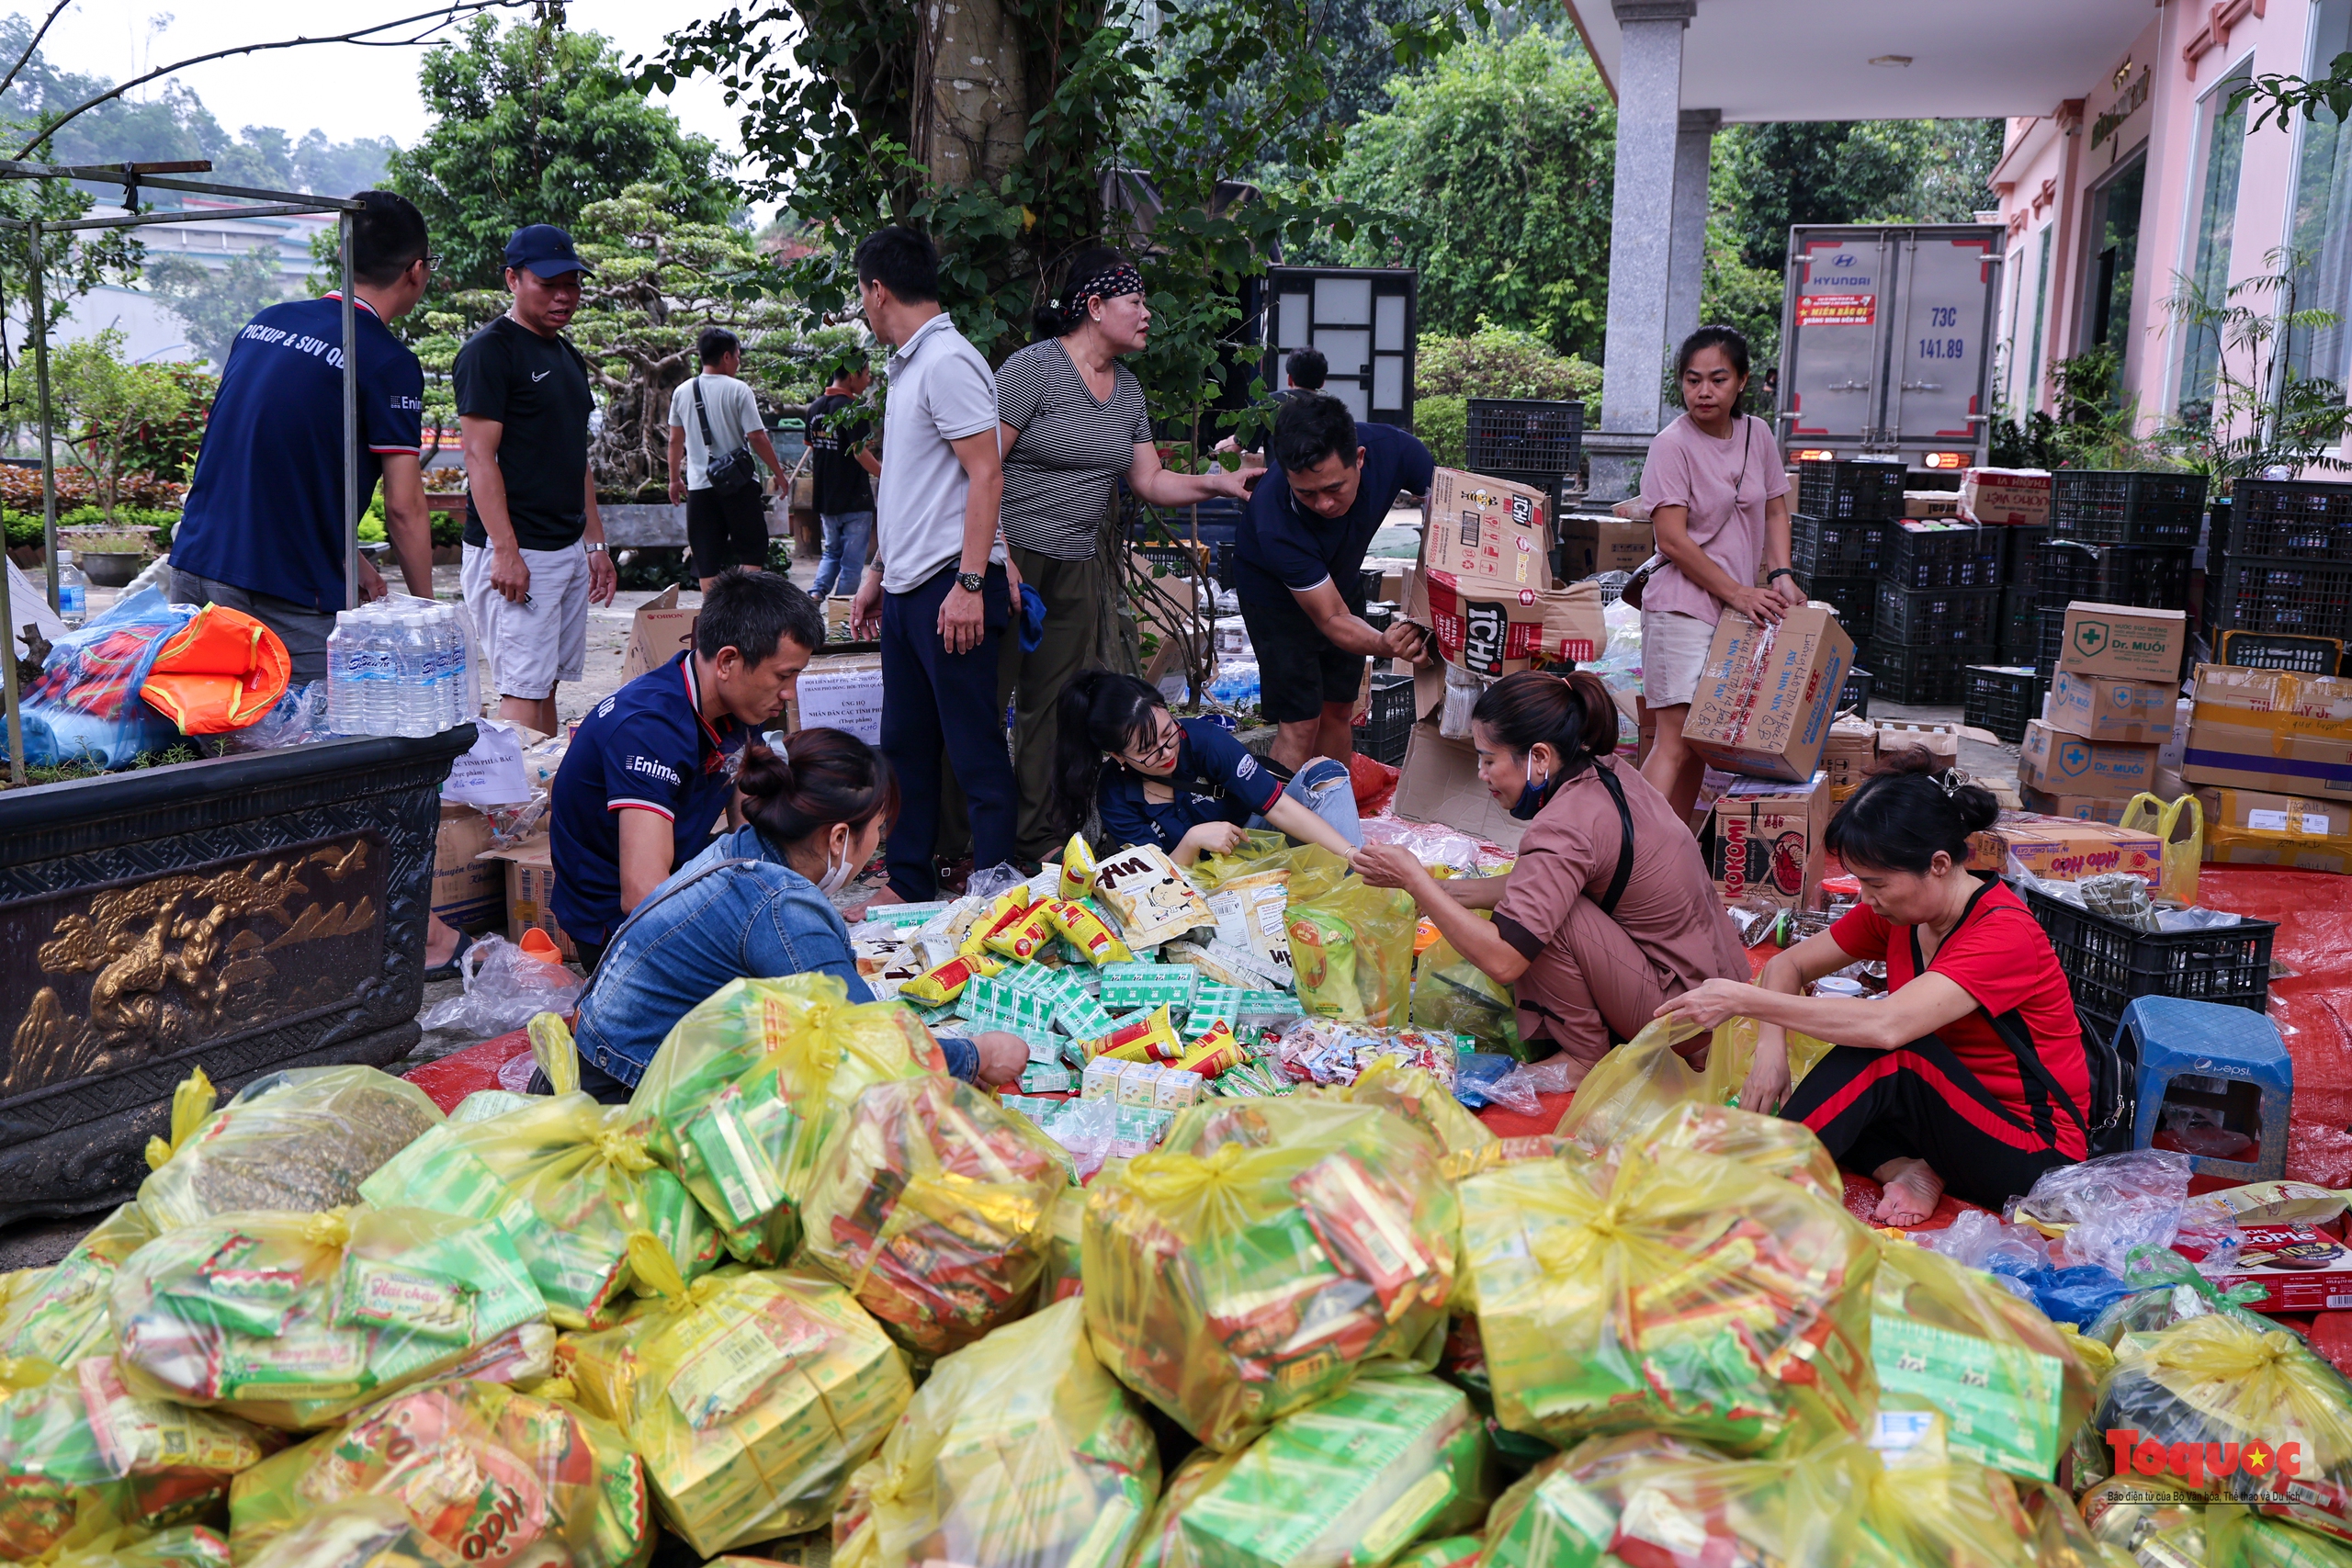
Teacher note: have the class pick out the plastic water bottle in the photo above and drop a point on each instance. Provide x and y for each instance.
(379, 699)
(343, 674)
(453, 665)
(419, 712)
(73, 591)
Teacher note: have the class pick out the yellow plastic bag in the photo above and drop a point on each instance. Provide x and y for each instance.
(570, 1181)
(301, 1140)
(1350, 1482)
(935, 1208)
(1678, 1293)
(1942, 1512)
(369, 1531)
(1640, 1081)
(1452, 994)
(750, 1395)
(749, 1090)
(2182, 855)
(1766, 1143)
(1312, 870)
(485, 1471)
(1352, 951)
(1462, 1139)
(1269, 1249)
(59, 1314)
(1018, 1449)
(181, 1546)
(296, 1320)
(1446, 1552)
(2240, 1538)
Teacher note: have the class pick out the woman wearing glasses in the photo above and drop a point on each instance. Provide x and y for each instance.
(1185, 784)
(1719, 506)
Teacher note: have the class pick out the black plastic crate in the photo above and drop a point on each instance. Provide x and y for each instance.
(2021, 566)
(2001, 698)
(2306, 598)
(1937, 617)
(1854, 697)
(1943, 555)
(1848, 491)
(1923, 676)
(1523, 436)
(1854, 598)
(2020, 639)
(2109, 964)
(1831, 548)
(1388, 723)
(1175, 560)
(2290, 520)
(2124, 506)
(2152, 577)
(2280, 650)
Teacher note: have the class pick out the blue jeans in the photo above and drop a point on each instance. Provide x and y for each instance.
(849, 538)
(1323, 787)
(932, 698)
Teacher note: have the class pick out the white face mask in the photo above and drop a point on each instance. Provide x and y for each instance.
(836, 875)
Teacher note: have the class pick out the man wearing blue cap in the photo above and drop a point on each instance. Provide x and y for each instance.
(534, 554)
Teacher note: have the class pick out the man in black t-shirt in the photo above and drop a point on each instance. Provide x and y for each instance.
(842, 464)
(534, 554)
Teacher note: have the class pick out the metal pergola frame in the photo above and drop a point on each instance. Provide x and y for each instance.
(131, 178)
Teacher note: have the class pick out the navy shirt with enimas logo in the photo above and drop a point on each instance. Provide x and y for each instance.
(1217, 779)
(1282, 547)
(647, 747)
(265, 510)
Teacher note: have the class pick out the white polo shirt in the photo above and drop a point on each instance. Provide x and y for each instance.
(939, 391)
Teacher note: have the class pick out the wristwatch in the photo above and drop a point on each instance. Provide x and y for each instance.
(971, 581)
(596, 549)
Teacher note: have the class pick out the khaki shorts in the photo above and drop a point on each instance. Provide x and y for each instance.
(533, 644)
(1674, 649)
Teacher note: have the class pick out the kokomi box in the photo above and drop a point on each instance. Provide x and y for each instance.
(2270, 731)
(1768, 693)
(2055, 763)
(1493, 630)
(1763, 841)
(1488, 532)
(2005, 495)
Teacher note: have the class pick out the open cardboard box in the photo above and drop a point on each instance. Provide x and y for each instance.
(659, 633)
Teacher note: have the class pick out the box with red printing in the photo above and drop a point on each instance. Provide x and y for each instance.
(2301, 1269)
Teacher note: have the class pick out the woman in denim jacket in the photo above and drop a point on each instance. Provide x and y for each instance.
(756, 904)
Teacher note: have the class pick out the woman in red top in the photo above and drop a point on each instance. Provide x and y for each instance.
(1970, 1072)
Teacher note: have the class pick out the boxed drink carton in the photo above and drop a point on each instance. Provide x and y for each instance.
(2245, 827)
(1488, 531)
(2123, 642)
(1768, 693)
(2099, 708)
(2061, 849)
(1763, 840)
(2057, 764)
(2271, 730)
(1847, 756)
(1493, 631)
(1591, 545)
(2005, 495)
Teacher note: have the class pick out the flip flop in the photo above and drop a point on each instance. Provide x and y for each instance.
(449, 971)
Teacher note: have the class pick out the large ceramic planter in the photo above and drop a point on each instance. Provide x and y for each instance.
(239, 913)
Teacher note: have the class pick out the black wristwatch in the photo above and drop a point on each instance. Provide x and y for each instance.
(1780, 571)
(971, 581)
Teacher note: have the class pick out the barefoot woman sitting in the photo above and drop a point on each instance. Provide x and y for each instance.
(1969, 1075)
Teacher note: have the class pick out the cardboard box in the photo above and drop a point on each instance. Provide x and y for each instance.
(1494, 631)
(2245, 827)
(2005, 495)
(2269, 731)
(2300, 1269)
(843, 690)
(2096, 708)
(1847, 756)
(1591, 545)
(1931, 503)
(1489, 531)
(2081, 807)
(1763, 840)
(530, 891)
(2057, 764)
(2123, 643)
(2169, 786)
(1767, 695)
(1439, 783)
(2060, 850)
(658, 633)
(468, 894)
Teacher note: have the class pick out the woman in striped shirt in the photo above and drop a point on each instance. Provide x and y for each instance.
(1073, 426)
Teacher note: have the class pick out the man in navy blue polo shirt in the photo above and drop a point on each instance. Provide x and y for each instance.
(652, 766)
(1299, 557)
(263, 529)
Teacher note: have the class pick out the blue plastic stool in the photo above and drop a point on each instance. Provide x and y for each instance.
(2174, 1038)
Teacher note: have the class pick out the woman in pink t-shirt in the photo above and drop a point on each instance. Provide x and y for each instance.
(1719, 505)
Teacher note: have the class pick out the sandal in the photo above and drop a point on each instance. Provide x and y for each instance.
(449, 971)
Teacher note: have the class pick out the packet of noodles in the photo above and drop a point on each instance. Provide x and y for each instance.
(1217, 1051)
(1143, 1037)
(751, 1396)
(745, 1095)
(1028, 936)
(940, 985)
(570, 1179)
(58, 1315)
(296, 1320)
(1088, 934)
(484, 1471)
(1006, 911)
(1078, 868)
(369, 1531)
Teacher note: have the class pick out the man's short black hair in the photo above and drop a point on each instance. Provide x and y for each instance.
(386, 238)
(1307, 367)
(1309, 427)
(753, 611)
(903, 261)
(715, 344)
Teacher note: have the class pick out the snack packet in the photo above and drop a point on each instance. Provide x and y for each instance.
(1004, 912)
(935, 1209)
(1088, 934)
(1151, 899)
(745, 1094)
(58, 1315)
(296, 1320)
(1018, 1448)
(301, 1140)
(1352, 950)
(940, 985)
(1265, 1252)
(750, 1395)
(1147, 1037)
(1027, 935)
(1078, 868)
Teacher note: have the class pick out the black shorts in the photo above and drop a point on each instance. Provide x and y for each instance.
(1298, 670)
(726, 530)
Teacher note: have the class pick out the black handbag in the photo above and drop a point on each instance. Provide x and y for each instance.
(729, 473)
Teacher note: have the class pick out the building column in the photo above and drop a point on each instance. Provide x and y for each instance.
(1640, 238)
(1694, 145)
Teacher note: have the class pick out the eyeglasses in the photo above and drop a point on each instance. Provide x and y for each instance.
(1163, 747)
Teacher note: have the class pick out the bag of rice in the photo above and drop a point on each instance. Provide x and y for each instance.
(301, 1140)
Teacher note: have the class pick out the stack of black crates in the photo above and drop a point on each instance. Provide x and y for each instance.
(2280, 571)
(1837, 537)
(2116, 537)
(1532, 442)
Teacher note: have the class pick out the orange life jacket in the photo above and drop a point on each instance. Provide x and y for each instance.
(220, 671)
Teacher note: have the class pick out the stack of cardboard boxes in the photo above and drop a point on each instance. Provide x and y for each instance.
(2110, 714)
(2270, 756)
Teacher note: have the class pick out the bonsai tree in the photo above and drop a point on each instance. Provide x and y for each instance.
(112, 404)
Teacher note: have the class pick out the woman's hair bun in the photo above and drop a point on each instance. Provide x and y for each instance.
(763, 773)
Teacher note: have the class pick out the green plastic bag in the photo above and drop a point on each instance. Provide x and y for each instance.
(1352, 950)
(1452, 994)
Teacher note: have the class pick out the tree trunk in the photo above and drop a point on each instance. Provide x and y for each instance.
(972, 92)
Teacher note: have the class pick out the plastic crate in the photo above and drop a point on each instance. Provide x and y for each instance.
(1830, 548)
(2290, 520)
(2020, 639)
(2306, 598)
(2124, 506)
(1854, 697)
(1848, 491)
(1387, 724)
(1937, 617)
(2278, 650)
(1923, 676)
(2021, 566)
(1854, 598)
(2109, 964)
(2154, 577)
(1523, 436)
(1176, 561)
(2000, 698)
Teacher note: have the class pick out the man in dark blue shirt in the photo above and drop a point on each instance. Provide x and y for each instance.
(651, 767)
(1298, 559)
(263, 529)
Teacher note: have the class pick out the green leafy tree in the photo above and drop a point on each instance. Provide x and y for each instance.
(1922, 171)
(105, 403)
(215, 303)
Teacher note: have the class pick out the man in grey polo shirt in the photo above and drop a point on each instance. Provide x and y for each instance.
(936, 589)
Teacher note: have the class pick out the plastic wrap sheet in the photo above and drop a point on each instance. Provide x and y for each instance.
(505, 986)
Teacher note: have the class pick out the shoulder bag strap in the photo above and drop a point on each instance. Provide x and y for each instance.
(1624, 871)
(710, 447)
(2042, 1085)
(668, 893)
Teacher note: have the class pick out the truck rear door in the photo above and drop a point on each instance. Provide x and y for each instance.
(1940, 360)
(1833, 336)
